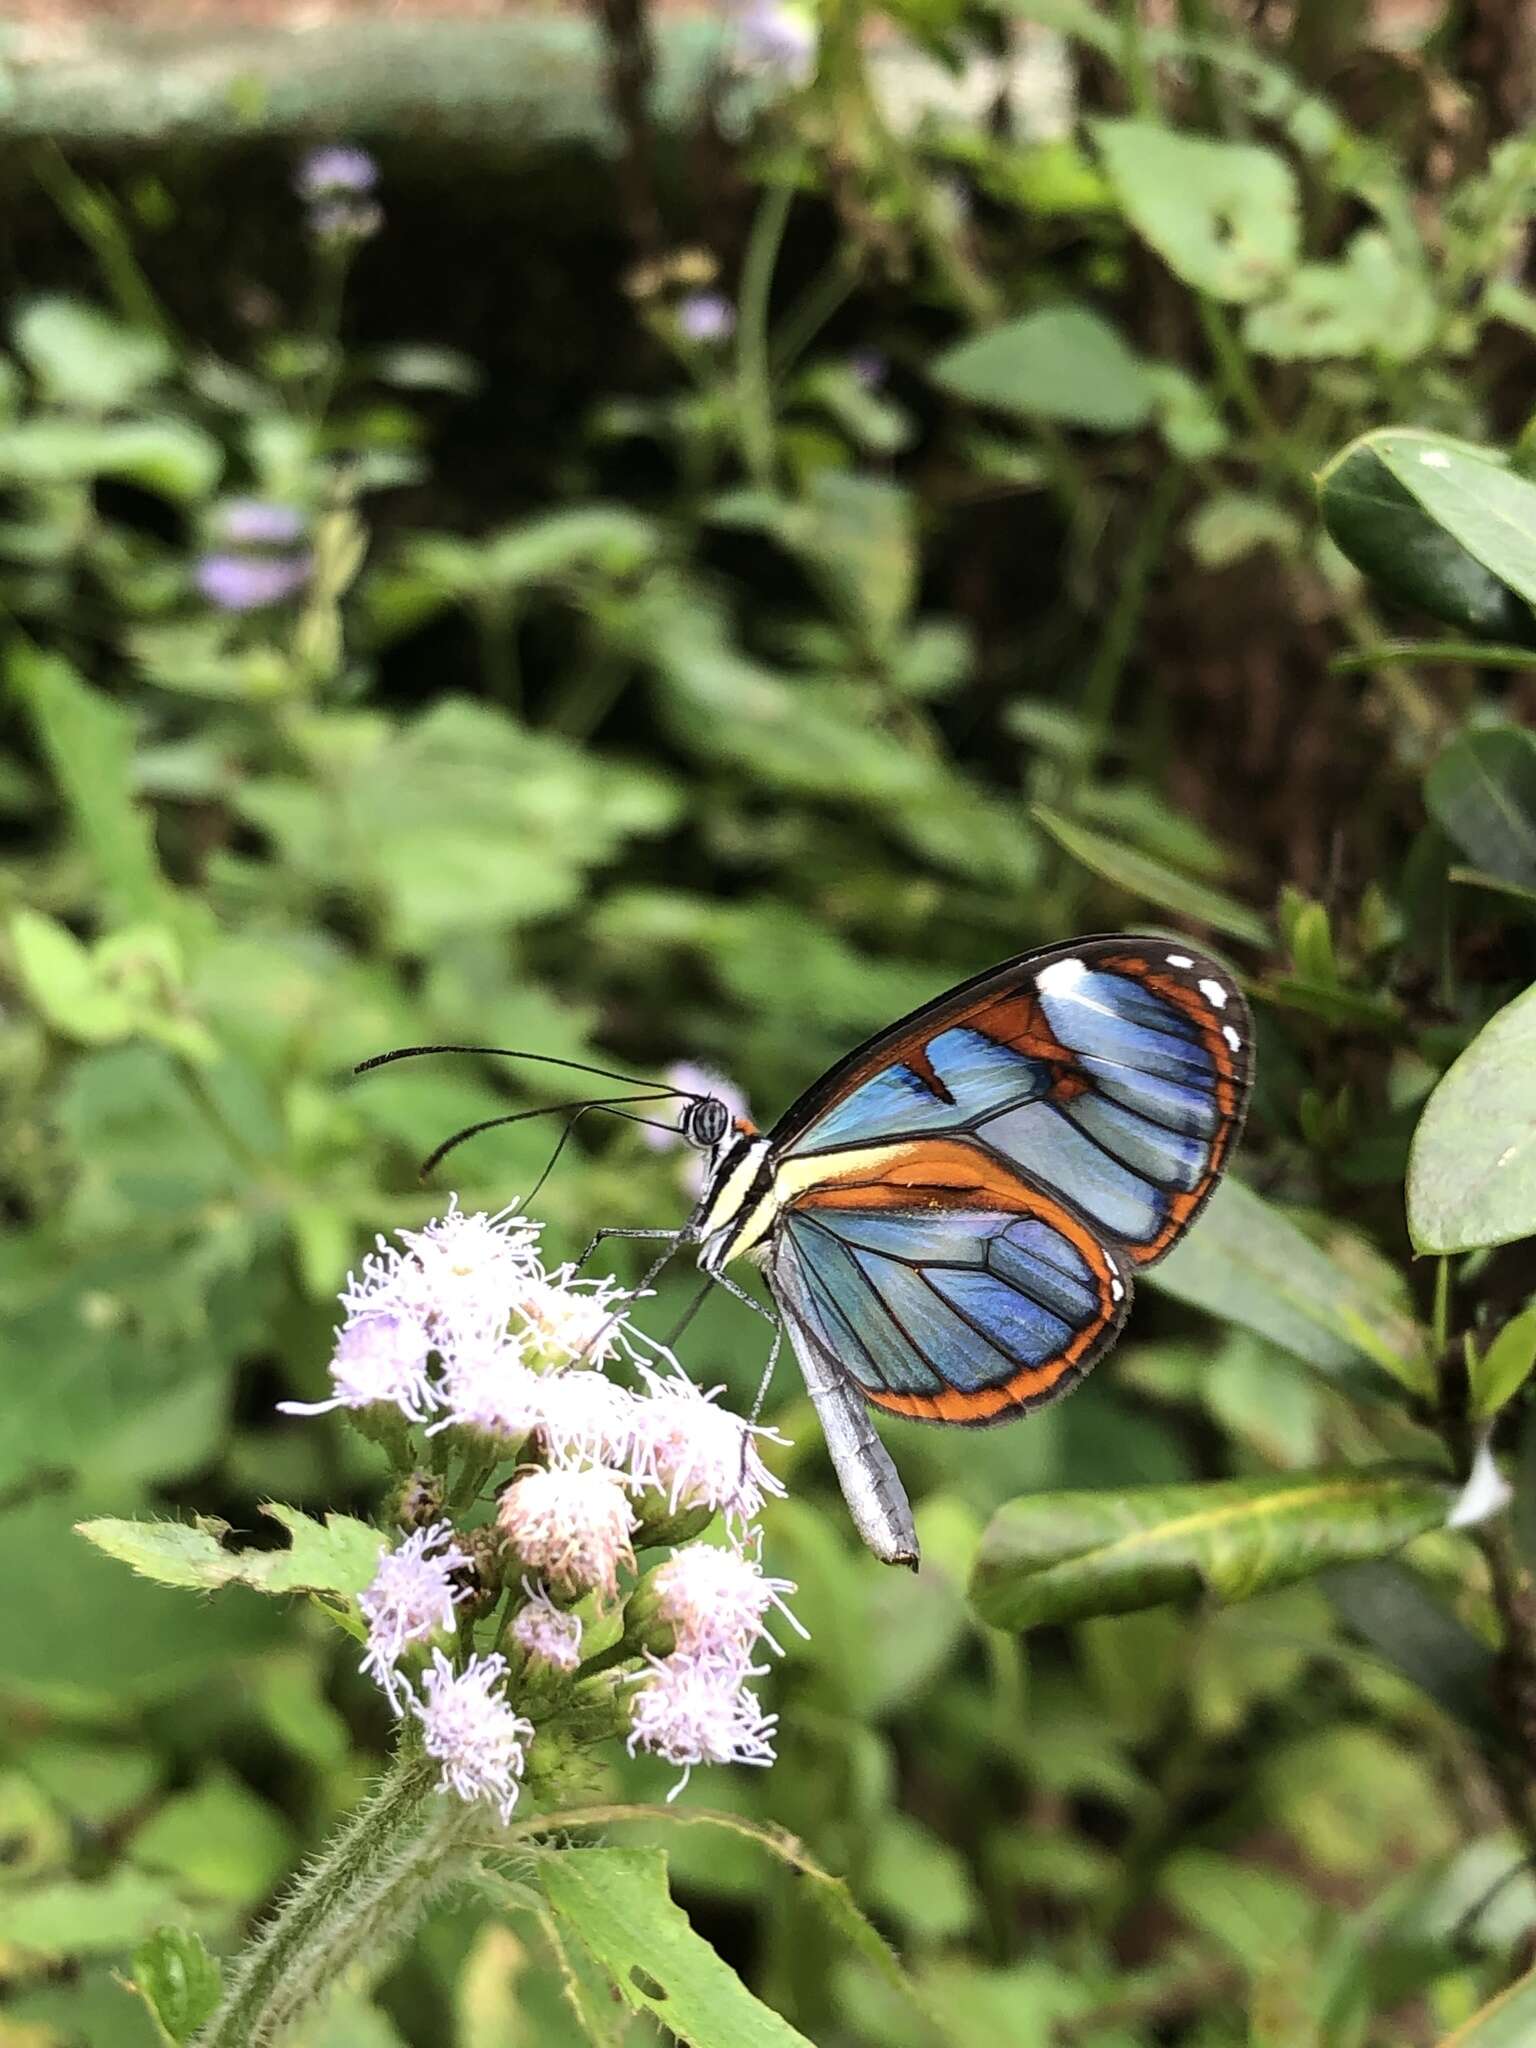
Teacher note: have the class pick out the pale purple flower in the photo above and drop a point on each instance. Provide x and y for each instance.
(338, 167)
(380, 1357)
(573, 1527)
(716, 1602)
(869, 367)
(412, 1596)
(547, 1634)
(464, 1270)
(778, 36)
(471, 1732)
(247, 583)
(698, 1454)
(706, 317)
(695, 1710)
(257, 522)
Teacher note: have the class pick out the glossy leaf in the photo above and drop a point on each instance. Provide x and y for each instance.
(1481, 792)
(1388, 512)
(1062, 363)
(617, 1901)
(1222, 215)
(1153, 881)
(1061, 1556)
(1247, 1262)
(1472, 1163)
(178, 1980)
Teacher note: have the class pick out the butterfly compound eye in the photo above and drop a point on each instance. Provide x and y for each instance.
(705, 1122)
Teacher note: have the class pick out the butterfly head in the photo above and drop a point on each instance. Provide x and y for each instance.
(706, 1122)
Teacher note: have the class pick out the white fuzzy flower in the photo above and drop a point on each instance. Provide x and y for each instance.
(379, 1358)
(465, 1270)
(547, 1633)
(698, 1454)
(487, 1385)
(695, 1710)
(566, 1319)
(585, 1419)
(571, 1526)
(468, 1728)
(716, 1601)
(412, 1596)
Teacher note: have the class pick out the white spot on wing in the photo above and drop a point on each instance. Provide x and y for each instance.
(1231, 1037)
(1178, 960)
(1214, 994)
(1116, 1290)
(1061, 977)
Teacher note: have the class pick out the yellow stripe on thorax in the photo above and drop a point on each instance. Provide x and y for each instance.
(791, 1177)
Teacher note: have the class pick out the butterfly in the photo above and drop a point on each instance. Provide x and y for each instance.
(950, 1221)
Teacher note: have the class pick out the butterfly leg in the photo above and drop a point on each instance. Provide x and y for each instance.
(617, 1230)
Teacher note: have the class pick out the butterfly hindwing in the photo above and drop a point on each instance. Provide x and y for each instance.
(949, 1289)
(1112, 1074)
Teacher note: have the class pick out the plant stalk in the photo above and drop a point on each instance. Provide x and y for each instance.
(358, 1898)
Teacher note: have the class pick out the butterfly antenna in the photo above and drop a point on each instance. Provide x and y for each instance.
(518, 1116)
(507, 1052)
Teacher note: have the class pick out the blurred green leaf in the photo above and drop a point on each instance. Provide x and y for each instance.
(1257, 1914)
(1370, 302)
(178, 1979)
(81, 356)
(1431, 521)
(75, 1917)
(1508, 2021)
(1247, 1262)
(1472, 1164)
(1481, 792)
(918, 1882)
(1224, 216)
(218, 1840)
(168, 456)
(339, 1555)
(1062, 363)
(1499, 1373)
(617, 1901)
(1060, 1556)
(88, 741)
(62, 979)
(1391, 1607)
(1154, 882)
(1236, 523)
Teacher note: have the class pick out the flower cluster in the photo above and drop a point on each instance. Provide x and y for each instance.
(255, 556)
(337, 184)
(460, 1330)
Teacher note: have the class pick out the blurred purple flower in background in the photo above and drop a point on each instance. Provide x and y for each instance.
(257, 522)
(337, 167)
(706, 317)
(245, 583)
(778, 36)
(869, 368)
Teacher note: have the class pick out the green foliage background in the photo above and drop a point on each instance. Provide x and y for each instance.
(655, 699)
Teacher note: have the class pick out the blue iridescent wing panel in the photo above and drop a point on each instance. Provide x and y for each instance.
(1114, 1073)
(944, 1304)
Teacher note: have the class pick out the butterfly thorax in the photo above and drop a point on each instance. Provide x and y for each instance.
(737, 1207)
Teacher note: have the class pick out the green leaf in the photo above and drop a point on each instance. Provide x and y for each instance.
(617, 1902)
(1472, 1163)
(219, 1841)
(69, 1916)
(1223, 216)
(1062, 363)
(178, 1980)
(1056, 1557)
(1508, 2021)
(1439, 524)
(1236, 523)
(339, 1555)
(1247, 1262)
(1140, 875)
(89, 743)
(1370, 303)
(62, 979)
(170, 456)
(1481, 792)
(1499, 1373)
(1256, 1914)
(82, 357)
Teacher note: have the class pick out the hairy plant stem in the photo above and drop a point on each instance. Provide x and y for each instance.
(359, 1897)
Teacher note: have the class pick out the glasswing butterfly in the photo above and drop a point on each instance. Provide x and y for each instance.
(951, 1219)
